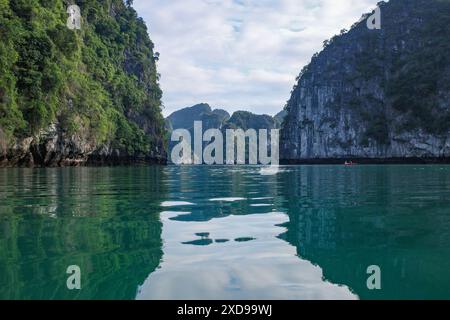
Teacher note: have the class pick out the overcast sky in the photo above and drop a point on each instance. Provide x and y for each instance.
(240, 54)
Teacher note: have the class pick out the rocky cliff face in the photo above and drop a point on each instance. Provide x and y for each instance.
(376, 93)
(75, 97)
(53, 147)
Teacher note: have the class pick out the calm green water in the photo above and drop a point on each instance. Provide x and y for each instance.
(308, 232)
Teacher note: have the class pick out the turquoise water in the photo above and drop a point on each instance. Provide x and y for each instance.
(307, 232)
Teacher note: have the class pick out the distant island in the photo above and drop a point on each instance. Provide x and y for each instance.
(219, 119)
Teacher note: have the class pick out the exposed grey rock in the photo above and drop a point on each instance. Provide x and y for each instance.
(54, 147)
(351, 101)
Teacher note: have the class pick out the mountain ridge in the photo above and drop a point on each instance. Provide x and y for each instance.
(217, 119)
(220, 119)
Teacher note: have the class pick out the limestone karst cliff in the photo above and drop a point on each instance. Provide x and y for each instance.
(376, 94)
(77, 96)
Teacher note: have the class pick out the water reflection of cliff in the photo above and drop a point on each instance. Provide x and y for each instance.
(104, 220)
(220, 231)
(108, 221)
(346, 219)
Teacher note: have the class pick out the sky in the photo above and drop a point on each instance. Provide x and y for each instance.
(240, 54)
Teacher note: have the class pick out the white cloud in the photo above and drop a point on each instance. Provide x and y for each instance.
(240, 54)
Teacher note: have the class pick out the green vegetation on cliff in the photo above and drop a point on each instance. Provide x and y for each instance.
(98, 82)
(380, 93)
(420, 86)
